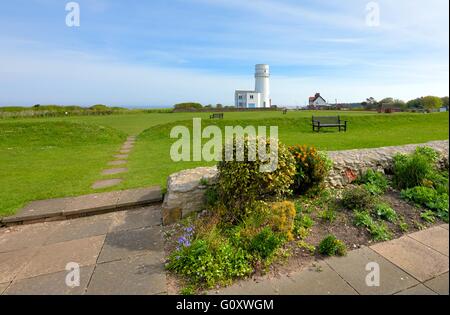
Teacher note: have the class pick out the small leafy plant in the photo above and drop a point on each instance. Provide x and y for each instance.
(357, 198)
(428, 216)
(428, 198)
(414, 169)
(374, 182)
(331, 246)
(378, 230)
(385, 212)
(264, 244)
(329, 215)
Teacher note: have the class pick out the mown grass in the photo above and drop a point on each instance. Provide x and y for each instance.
(150, 162)
(134, 124)
(50, 160)
(44, 158)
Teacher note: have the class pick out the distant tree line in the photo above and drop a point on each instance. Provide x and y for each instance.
(191, 106)
(58, 111)
(426, 103)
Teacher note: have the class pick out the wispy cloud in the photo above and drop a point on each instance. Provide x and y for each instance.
(161, 52)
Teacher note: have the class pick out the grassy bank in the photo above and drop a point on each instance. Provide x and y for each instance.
(50, 160)
(44, 158)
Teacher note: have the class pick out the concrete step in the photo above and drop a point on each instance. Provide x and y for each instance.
(72, 207)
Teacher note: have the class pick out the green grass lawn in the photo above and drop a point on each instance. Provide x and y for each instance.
(53, 159)
(44, 158)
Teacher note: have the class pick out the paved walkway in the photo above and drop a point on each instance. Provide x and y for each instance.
(416, 264)
(119, 253)
(117, 166)
(123, 253)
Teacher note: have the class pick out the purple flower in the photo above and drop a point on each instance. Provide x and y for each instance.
(189, 230)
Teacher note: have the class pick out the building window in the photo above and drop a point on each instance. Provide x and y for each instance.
(251, 97)
(240, 97)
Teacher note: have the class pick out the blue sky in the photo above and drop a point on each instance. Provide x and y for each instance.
(160, 52)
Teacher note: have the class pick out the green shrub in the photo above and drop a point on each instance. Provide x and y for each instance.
(265, 244)
(375, 182)
(439, 180)
(412, 170)
(378, 231)
(357, 198)
(188, 106)
(312, 168)
(203, 263)
(282, 218)
(241, 184)
(211, 196)
(429, 153)
(331, 246)
(420, 195)
(385, 212)
(428, 198)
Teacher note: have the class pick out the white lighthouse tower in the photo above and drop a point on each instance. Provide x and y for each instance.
(262, 84)
(260, 97)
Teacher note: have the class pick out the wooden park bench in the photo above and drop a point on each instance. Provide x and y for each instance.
(216, 116)
(328, 121)
(285, 111)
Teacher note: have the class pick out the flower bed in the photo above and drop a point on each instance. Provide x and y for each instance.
(251, 228)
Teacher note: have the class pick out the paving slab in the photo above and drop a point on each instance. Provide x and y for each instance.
(3, 287)
(417, 290)
(316, 280)
(11, 263)
(125, 151)
(55, 257)
(81, 228)
(444, 226)
(124, 244)
(40, 210)
(116, 163)
(92, 203)
(136, 219)
(420, 261)
(115, 171)
(143, 275)
(106, 183)
(436, 238)
(51, 284)
(136, 197)
(121, 156)
(352, 269)
(439, 284)
(25, 236)
(127, 146)
(248, 287)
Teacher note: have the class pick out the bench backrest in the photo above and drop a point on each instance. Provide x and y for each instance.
(327, 119)
(217, 115)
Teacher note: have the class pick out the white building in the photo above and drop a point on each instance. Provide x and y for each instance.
(260, 97)
(317, 100)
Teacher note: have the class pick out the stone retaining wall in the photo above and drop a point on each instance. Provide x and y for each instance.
(186, 189)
